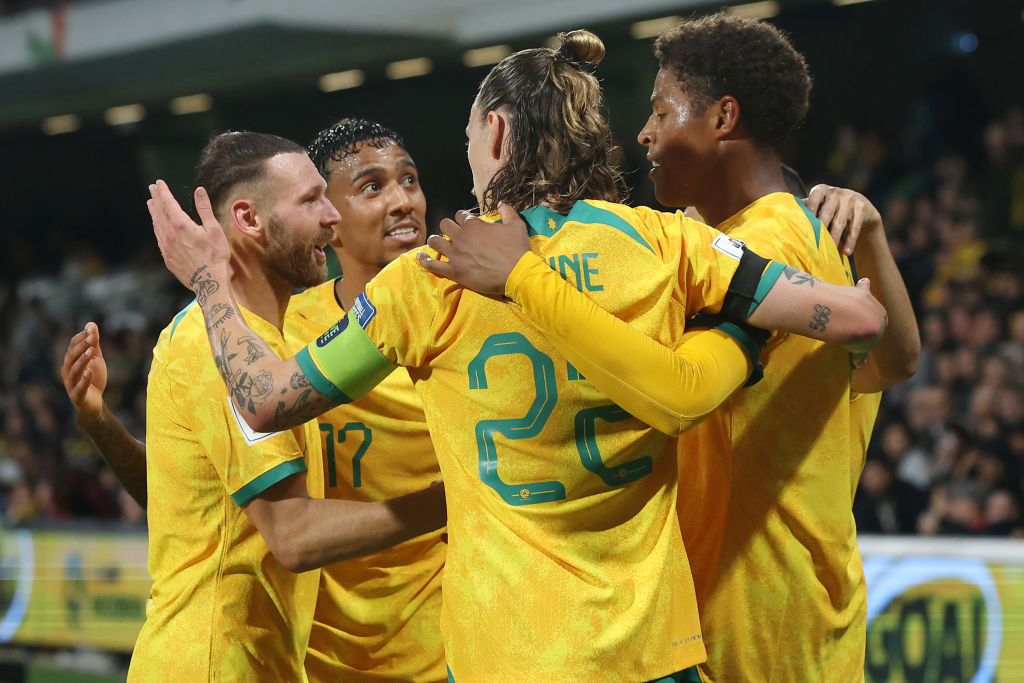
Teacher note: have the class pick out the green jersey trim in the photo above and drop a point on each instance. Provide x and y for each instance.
(178, 318)
(815, 223)
(768, 280)
(546, 222)
(268, 479)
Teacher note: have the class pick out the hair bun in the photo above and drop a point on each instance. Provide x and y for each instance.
(581, 47)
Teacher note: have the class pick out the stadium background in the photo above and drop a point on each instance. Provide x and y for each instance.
(917, 103)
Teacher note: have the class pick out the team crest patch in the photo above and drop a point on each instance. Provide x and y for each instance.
(363, 310)
(336, 329)
(730, 246)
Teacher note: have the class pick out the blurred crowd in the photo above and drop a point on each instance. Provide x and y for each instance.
(947, 456)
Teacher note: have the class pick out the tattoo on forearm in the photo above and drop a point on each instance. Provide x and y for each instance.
(305, 405)
(252, 350)
(219, 314)
(798, 277)
(247, 389)
(203, 285)
(819, 321)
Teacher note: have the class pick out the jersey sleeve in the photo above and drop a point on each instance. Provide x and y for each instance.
(247, 462)
(721, 274)
(388, 326)
(669, 389)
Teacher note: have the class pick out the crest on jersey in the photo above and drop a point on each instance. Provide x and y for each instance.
(363, 310)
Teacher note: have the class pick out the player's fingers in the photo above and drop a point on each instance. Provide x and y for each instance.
(828, 208)
(76, 346)
(853, 232)
(816, 195)
(462, 217)
(93, 332)
(169, 207)
(864, 283)
(440, 245)
(435, 266)
(449, 228)
(77, 369)
(205, 209)
(508, 214)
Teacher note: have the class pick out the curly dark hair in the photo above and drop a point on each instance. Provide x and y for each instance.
(753, 61)
(560, 141)
(345, 137)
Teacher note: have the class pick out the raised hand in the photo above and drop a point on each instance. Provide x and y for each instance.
(188, 249)
(480, 255)
(845, 213)
(84, 374)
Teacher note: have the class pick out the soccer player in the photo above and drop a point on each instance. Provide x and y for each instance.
(233, 529)
(378, 616)
(565, 558)
(766, 503)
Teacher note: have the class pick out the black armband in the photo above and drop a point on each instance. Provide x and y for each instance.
(743, 288)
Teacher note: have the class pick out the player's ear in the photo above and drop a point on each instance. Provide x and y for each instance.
(726, 115)
(245, 218)
(497, 130)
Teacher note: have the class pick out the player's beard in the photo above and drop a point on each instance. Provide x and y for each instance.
(293, 260)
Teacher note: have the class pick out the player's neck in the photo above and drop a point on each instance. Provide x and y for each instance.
(742, 178)
(356, 275)
(260, 292)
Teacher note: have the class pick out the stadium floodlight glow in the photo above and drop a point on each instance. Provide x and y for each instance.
(341, 80)
(58, 125)
(650, 28)
(482, 56)
(755, 10)
(125, 114)
(191, 104)
(408, 68)
(840, 3)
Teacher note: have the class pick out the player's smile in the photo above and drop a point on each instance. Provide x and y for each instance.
(407, 231)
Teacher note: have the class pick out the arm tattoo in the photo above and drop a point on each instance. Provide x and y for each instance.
(248, 390)
(305, 404)
(819, 321)
(798, 277)
(219, 313)
(203, 285)
(252, 351)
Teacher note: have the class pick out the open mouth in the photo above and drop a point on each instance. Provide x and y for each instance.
(404, 234)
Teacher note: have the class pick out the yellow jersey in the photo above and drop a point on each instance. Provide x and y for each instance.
(221, 608)
(378, 617)
(766, 491)
(565, 558)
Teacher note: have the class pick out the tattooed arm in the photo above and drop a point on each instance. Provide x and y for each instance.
(803, 304)
(270, 393)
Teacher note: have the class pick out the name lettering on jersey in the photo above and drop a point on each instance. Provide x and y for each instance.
(363, 310)
(730, 246)
(250, 435)
(579, 266)
(336, 329)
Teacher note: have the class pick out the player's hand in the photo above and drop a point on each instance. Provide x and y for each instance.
(844, 213)
(84, 374)
(187, 247)
(859, 353)
(480, 255)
